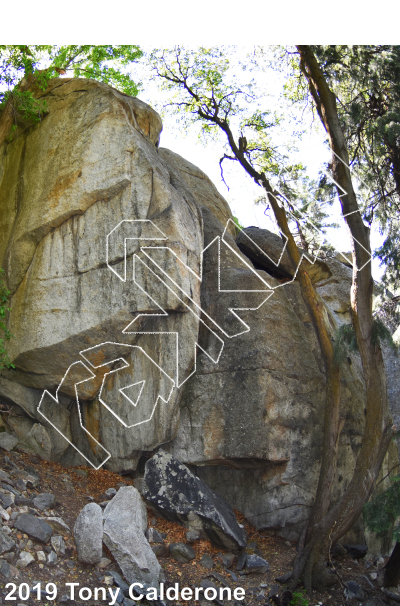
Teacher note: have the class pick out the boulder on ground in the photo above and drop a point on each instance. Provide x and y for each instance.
(125, 522)
(356, 551)
(7, 441)
(88, 534)
(176, 492)
(255, 565)
(37, 442)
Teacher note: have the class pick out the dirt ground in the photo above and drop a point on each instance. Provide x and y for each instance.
(74, 488)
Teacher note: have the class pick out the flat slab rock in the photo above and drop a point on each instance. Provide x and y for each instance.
(34, 527)
(57, 524)
(176, 493)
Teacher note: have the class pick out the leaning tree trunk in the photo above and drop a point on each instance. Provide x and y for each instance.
(332, 421)
(309, 563)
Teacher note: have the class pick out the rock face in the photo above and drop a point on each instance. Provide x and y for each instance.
(37, 442)
(269, 251)
(124, 334)
(257, 439)
(180, 496)
(90, 165)
(88, 534)
(125, 522)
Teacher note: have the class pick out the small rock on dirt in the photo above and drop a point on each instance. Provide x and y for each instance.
(160, 550)
(44, 501)
(192, 536)
(153, 536)
(181, 552)
(52, 558)
(256, 565)
(207, 562)
(25, 558)
(58, 544)
(353, 590)
(57, 524)
(34, 527)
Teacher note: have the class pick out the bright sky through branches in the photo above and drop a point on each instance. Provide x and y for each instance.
(313, 152)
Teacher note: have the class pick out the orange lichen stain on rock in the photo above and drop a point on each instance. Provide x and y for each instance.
(110, 384)
(214, 433)
(96, 359)
(275, 470)
(269, 412)
(90, 388)
(61, 184)
(92, 423)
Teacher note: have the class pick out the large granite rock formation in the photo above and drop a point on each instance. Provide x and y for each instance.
(86, 196)
(65, 185)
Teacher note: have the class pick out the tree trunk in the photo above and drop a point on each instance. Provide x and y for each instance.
(309, 563)
(314, 304)
(392, 568)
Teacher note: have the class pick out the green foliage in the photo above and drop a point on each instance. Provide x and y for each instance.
(5, 334)
(299, 598)
(366, 82)
(380, 332)
(22, 65)
(207, 86)
(389, 253)
(382, 512)
(345, 342)
(238, 225)
(387, 307)
(308, 201)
